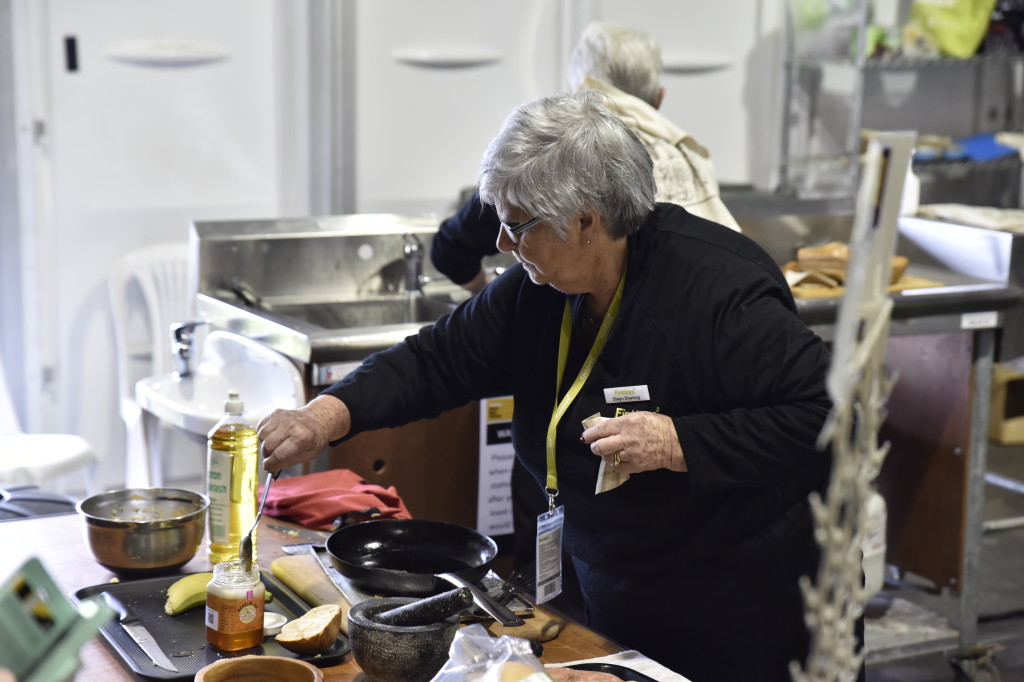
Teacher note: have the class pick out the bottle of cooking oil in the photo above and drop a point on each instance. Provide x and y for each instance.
(232, 476)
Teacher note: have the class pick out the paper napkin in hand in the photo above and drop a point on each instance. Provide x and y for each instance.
(607, 477)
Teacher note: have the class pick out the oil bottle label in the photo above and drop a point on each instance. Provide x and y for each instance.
(218, 480)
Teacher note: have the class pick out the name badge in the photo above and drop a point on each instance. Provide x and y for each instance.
(626, 394)
(549, 554)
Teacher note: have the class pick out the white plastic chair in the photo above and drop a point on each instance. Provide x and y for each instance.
(148, 291)
(39, 458)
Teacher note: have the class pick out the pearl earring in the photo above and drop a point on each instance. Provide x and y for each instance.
(588, 242)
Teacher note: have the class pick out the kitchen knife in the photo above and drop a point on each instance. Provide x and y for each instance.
(301, 549)
(351, 594)
(303, 575)
(138, 632)
(304, 535)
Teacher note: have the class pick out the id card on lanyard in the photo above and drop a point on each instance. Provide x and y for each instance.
(549, 524)
(549, 554)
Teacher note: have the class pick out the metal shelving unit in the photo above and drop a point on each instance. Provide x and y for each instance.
(817, 162)
(916, 63)
(824, 99)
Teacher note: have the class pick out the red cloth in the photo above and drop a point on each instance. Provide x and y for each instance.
(317, 500)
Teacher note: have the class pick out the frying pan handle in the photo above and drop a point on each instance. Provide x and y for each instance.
(495, 610)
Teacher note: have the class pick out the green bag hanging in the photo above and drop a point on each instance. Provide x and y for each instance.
(956, 26)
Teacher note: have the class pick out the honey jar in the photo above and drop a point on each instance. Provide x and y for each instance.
(234, 607)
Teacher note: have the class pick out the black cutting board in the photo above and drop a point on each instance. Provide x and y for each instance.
(183, 637)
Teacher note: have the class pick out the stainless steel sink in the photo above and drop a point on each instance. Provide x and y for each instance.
(321, 331)
(320, 289)
(364, 312)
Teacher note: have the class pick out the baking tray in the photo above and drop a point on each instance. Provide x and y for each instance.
(183, 637)
(618, 671)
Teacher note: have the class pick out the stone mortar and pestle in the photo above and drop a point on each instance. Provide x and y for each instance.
(402, 639)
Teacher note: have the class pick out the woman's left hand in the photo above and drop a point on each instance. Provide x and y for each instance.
(642, 441)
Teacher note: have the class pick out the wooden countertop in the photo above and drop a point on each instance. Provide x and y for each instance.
(59, 543)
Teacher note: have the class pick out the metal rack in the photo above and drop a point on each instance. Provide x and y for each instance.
(900, 62)
(816, 165)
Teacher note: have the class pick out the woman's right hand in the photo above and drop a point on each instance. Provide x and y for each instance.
(292, 437)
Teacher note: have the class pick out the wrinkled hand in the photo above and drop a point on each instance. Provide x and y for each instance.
(292, 437)
(645, 441)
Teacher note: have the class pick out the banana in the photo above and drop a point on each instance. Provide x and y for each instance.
(187, 593)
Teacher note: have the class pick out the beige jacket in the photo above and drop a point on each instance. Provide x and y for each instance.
(683, 169)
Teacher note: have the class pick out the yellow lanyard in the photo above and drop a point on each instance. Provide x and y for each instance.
(588, 365)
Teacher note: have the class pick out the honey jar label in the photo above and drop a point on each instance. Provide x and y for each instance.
(247, 613)
(232, 616)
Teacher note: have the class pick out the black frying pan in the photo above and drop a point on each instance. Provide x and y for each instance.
(400, 557)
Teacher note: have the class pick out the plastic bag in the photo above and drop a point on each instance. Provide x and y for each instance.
(476, 656)
(957, 27)
(823, 27)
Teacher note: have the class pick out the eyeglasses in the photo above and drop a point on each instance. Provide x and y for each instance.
(515, 229)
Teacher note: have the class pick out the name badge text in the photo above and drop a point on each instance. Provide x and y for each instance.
(626, 394)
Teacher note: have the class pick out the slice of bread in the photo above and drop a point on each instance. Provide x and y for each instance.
(312, 633)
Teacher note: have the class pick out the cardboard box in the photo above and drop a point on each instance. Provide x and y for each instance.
(1006, 411)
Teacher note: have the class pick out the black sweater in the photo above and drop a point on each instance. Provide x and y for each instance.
(708, 324)
(464, 239)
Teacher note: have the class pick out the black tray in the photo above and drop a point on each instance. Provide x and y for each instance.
(619, 671)
(183, 637)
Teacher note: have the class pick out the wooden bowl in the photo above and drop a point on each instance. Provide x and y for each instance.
(266, 668)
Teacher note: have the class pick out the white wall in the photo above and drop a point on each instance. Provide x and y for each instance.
(130, 156)
(731, 109)
(420, 132)
(12, 351)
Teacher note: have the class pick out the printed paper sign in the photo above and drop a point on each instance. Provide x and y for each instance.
(494, 492)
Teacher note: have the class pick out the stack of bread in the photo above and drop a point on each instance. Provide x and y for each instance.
(820, 271)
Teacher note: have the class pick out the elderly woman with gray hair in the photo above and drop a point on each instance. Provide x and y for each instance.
(684, 498)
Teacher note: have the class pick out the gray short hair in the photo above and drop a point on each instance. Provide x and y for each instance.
(628, 59)
(560, 157)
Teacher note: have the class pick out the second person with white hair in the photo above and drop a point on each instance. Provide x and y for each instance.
(626, 65)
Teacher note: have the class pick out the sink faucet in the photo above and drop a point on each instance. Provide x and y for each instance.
(181, 345)
(413, 263)
(244, 291)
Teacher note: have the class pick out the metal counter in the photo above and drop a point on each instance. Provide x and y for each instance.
(342, 258)
(973, 264)
(943, 342)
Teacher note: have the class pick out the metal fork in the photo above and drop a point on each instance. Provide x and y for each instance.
(518, 583)
(245, 546)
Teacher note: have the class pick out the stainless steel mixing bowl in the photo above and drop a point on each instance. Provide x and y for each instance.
(138, 532)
